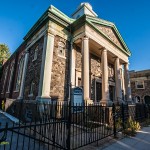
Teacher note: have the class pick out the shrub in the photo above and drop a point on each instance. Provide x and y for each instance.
(131, 127)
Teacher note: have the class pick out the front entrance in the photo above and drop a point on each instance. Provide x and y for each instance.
(111, 92)
(98, 91)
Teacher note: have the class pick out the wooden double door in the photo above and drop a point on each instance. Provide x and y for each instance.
(99, 92)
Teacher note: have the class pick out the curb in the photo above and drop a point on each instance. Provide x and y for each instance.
(12, 118)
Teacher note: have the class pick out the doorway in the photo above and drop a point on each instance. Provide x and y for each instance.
(98, 91)
(111, 92)
(147, 99)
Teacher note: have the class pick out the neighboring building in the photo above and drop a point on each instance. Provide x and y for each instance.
(140, 86)
(83, 50)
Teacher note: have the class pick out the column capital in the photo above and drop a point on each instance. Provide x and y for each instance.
(50, 33)
(85, 37)
(104, 50)
(26, 50)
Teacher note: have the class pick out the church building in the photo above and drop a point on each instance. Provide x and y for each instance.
(60, 53)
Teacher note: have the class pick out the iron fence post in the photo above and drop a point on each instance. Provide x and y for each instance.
(69, 122)
(114, 119)
(123, 116)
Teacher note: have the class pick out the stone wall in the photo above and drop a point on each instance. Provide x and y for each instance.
(78, 61)
(140, 92)
(60, 72)
(13, 59)
(140, 76)
(33, 71)
(95, 67)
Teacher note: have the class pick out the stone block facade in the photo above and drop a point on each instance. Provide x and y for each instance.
(140, 86)
(60, 53)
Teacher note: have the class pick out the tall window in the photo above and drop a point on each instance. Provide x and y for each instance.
(10, 78)
(61, 49)
(5, 77)
(35, 53)
(31, 88)
(19, 74)
(31, 91)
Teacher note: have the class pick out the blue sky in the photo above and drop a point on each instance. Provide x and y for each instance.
(131, 17)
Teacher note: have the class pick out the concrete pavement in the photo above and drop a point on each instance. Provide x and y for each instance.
(140, 142)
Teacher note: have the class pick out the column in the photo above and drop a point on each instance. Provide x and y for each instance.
(46, 68)
(118, 81)
(72, 66)
(122, 83)
(127, 83)
(105, 86)
(22, 85)
(85, 67)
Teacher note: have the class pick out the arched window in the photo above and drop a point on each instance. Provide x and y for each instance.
(5, 77)
(19, 74)
(137, 99)
(10, 78)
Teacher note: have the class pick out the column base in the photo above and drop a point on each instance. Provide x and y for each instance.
(43, 99)
(105, 102)
(20, 98)
(119, 102)
(130, 102)
(88, 101)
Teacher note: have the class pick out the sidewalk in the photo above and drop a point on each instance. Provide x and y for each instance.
(140, 142)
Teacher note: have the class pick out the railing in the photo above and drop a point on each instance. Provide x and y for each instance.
(66, 126)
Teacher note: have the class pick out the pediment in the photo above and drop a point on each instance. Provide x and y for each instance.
(110, 33)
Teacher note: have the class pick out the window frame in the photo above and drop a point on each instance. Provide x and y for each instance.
(10, 77)
(19, 74)
(5, 77)
(35, 53)
(61, 46)
(136, 84)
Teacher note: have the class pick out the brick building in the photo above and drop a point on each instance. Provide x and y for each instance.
(84, 50)
(140, 85)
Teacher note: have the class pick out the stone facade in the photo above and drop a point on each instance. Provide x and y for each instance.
(59, 50)
(140, 85)
(33, 71)
(60, 72)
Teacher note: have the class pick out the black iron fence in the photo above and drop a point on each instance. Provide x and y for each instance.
(67, 126)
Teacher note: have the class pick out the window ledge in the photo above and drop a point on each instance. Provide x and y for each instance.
(15, 91)
(34, 60)
(30, 95)
(62, 56)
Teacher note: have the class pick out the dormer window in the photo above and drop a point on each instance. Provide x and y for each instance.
(61, 49)
(35, 53)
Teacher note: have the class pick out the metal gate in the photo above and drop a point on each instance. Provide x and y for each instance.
(63, 126)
